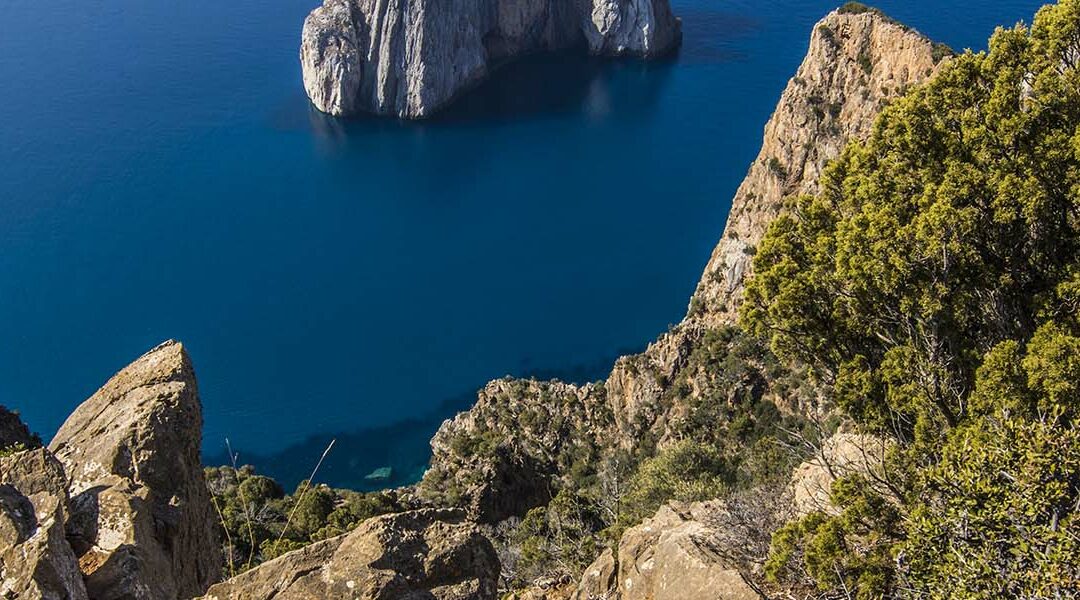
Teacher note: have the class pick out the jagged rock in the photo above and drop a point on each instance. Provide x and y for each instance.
(14, 432)
(411, 57)
(427, 553)
(841, 454)
(600, 581)
(855, 64)
(36, 562)
(141, 519)
(671, 556)
(500, 457)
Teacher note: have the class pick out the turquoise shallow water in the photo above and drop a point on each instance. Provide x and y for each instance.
(162, 175)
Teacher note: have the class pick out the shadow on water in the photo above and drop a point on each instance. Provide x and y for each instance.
(557, 85)
(402, 446)
(539, 86)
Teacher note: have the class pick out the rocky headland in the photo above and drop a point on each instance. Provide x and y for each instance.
(409, 58)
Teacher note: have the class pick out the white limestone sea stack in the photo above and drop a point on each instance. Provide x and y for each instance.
(409, 58)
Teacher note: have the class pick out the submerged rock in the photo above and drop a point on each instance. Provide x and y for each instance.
(380, 474)
(409, 58)
(141, 519)
(425, 553)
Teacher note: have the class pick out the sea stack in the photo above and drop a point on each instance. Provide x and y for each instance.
(409, 58)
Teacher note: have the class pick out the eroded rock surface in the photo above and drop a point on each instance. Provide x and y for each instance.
(429, 553)
(36, 562)
(841, 454)
(672, 556)
(409, 58)
(141, 521)
(856, 63)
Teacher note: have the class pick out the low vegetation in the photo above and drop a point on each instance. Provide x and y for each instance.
(259, 521)
(933, 288)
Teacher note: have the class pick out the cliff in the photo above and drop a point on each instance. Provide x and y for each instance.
(857, 60)
(409, 58)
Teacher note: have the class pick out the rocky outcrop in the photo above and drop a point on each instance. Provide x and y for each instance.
(672, 556)
(36, 562)
(140, 518)
(500, 458)
(840, 455)
(409, 58)
(858, 59)
(425, 553)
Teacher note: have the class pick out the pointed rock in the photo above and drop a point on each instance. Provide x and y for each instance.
(668, 557)
(141, 519)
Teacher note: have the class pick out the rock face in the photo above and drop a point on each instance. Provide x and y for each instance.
(141, 519)
(430, 554)
(408, 58)
(36, 562)
(855, 64)
(671, 556)
(842, 454)
(543, 422)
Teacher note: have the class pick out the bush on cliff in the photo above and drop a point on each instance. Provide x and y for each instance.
(933, 286)
(255, 512)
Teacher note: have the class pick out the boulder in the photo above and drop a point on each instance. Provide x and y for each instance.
(36, 562)
(423, 554)
(409, 58)
(141, 519)
(841, 454)
(671, 556)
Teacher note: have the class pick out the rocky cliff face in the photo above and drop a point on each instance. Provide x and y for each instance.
(855, 64)
(140, 517)
(427, 553)
(408, 58)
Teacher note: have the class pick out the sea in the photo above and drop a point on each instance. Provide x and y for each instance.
(162, 175)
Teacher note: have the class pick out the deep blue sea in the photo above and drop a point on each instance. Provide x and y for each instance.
(163, 176)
